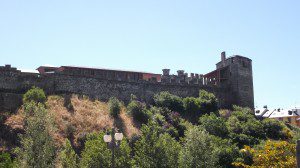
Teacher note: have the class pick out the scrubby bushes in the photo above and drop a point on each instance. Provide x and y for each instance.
(275, 129)
(37, 145)
(269, 154)
(114, 106)
(155, 148)
(214, 125)
(208, 102)
(35, 94)
(175, 132)
(190, 107)
(97, 154)
(138, 111)
(68, 158)
(6, 161)
(198, 150)
(172, 102)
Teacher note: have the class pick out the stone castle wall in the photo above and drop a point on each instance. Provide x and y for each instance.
(231, 82)
(14, 84)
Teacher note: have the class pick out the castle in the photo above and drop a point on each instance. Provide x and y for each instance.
(231, 82)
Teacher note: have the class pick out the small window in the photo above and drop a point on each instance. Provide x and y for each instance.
(245, 64)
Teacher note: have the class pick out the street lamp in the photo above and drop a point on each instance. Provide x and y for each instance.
(113, 142)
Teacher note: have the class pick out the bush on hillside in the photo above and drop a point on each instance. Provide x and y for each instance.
(97, 153)
(208, 102)
(114, 106)
(191, 105)
(192, 108)
(37, 144)
(271, 154)
(172, 102)
(138, 111)
(155, 148)
(35, 94)
(68, 158)
(198, 150)
(6, 161)
(214, 125)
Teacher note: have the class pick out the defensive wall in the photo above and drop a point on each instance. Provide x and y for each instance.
(229, 82)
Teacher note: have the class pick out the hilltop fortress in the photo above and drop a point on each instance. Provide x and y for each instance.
(231, 82)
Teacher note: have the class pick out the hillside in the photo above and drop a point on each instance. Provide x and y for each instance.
(76, 116)
(177, 132)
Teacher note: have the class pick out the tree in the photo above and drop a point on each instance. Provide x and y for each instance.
(198, 150)
(192, 108)
(214, 125)
(172, 102)
(68, 157)
(155, 148)
(35, 94)
(275, 129)
(208, 102)
(138, 111)
(122, 155)
(37, 146)
(244, 128)
(6, 161)
(96, 153)
(272, 154)
(114, 106)
(226, 152)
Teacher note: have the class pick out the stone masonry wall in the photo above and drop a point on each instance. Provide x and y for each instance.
(14, 84)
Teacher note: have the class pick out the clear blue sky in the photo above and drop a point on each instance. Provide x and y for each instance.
(151, 35)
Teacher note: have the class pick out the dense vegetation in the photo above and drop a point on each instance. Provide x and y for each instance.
(174, 132)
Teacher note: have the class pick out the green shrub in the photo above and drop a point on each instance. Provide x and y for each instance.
(114, 106)
(155, 148)
(68, 157)
(138, 111)
(5, 161)
(198, 150)
(208, 102)
(274, 129)
(172, 102)
(191, 105)
(37, 146)
(97, 154)
(35, 94)
(214, 125)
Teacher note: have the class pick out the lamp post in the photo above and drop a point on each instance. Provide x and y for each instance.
(113, 142)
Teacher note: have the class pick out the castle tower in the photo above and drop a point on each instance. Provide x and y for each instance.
(237, 75)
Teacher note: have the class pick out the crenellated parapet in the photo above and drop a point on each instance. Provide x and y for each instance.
(231, 82)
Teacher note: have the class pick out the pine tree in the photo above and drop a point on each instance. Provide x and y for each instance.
(68, 157)
(37, 146)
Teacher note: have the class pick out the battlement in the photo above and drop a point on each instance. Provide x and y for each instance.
(8, 68)
(231, 82)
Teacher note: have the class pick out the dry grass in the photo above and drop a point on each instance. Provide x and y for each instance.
(88, 116)
(15, 121)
